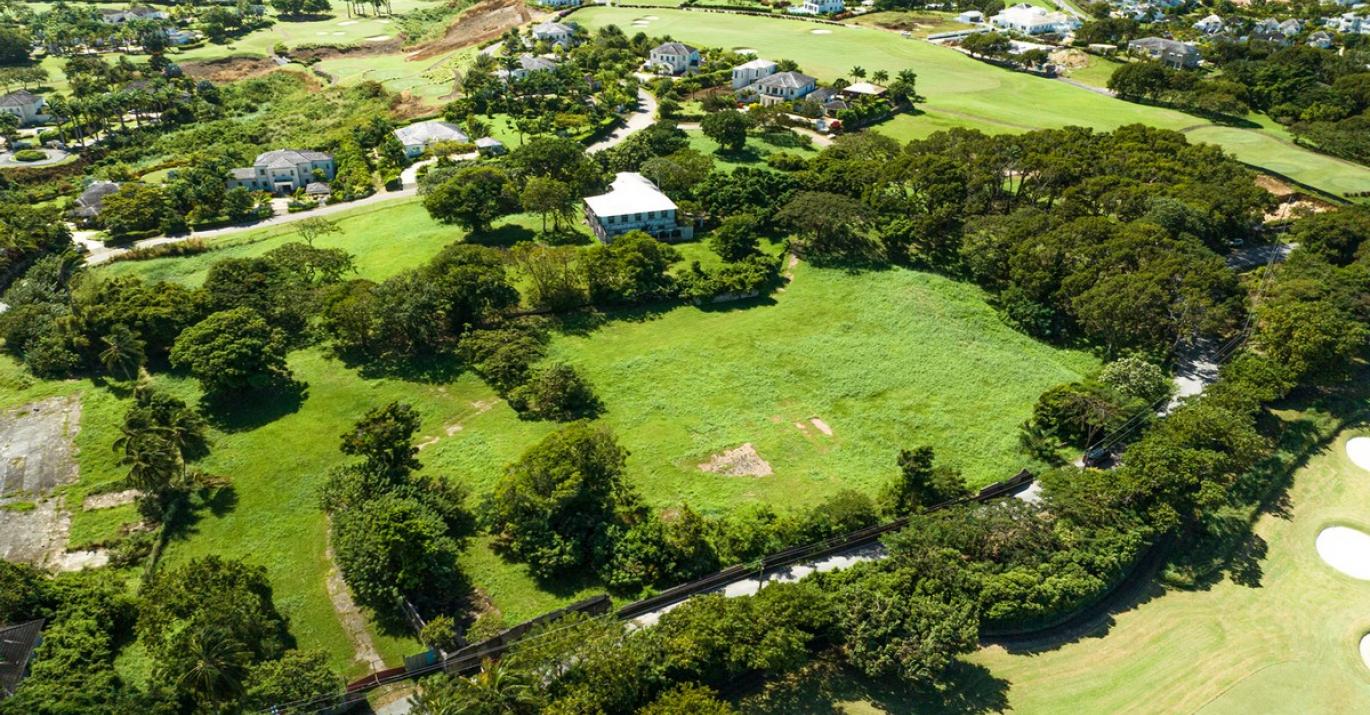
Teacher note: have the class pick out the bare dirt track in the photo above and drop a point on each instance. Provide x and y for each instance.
(482, 22)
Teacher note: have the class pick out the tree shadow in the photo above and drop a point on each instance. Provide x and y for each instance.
(503, 236)
(437, 369)
(248, 411)
(828, 687)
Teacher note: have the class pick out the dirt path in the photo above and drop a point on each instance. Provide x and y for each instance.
(349, 614)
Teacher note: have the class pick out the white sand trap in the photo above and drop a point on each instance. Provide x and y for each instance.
(378, 38)
(1365, 649)
(641, 23)
(650, 17)
(1346, 550)
(1358, 449)
(740, 461)
(821, 426)
(345, 23)
(745, 51)
(820, 32)
(340, 33)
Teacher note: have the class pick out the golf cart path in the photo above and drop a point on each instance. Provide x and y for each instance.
(634, 122)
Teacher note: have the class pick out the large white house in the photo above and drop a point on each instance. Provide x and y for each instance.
(419, 136)
(634, 204)
(820, 7)
(119, 16)
(1172, 52)
(1033, 20)
(23, 104)
(555, 33)
(674, 57)
(283, 171)
(749, 72)
(559, 3)
(785, 87)
(1210, 25)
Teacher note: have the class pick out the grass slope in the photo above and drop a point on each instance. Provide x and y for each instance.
(965, 92)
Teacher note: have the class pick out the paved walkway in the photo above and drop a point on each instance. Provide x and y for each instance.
(636, 121)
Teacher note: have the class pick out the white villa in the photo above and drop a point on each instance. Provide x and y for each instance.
(419, 136)
(119, 16)
(634, 204)
(1210, 25)
(749, 72)
(785, 87)
(1033, 20)
(821, 7)
(23, 104)
(1172, 52)
(555, 33)
(283, 171)
(559, 3)
(971, 17)
(674, 57)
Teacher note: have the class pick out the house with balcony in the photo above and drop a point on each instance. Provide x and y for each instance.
(25, 105)
(1032, 20)
(555, 33)
(1170, 52)
(283, 171)
(748, 73)
(417, 137)
(785, 87)
(673, 58)
(634, 204)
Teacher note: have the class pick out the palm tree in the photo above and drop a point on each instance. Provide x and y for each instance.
(123, 353)
(880, 76)
(496, 690)
(858, 72)
(211, 666)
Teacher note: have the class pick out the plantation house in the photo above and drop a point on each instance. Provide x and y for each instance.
(23, 104)
(1033, 20)
(283, 171)
(673, 57)
(555, 33)
(1171, 52)
(634, 204)
(785, 87)
(749, 72)
(821, 7)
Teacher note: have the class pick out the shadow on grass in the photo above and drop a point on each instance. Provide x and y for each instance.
(829, 688)
(429, 369)
(502, 236)
(248, 411)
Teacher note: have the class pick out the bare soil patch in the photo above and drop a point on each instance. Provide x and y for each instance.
(821, 426)
(1069, 59)
(228, 69)
(109, 500)
(486, 20)
(1274, 185)
(742, 461)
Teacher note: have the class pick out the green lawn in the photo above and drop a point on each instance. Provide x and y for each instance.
(753, 154)
(965, 92)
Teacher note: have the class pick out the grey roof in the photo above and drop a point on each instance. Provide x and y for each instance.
(243, 173)
(787, 80)
(532, 63)
(317, 187)
(430, 131)
(674, 48)
(283, 158)
(16, 648)
(18, 98)
(553, 28)
(1162, 44)
(94, 195)
(487, 142)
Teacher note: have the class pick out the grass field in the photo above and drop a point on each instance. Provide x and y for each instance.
(886, 359)
(965, 92)
(753, 154)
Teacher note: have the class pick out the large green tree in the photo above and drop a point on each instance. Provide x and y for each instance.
(232, 351)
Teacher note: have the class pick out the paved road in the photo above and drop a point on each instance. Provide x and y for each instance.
(635, 122)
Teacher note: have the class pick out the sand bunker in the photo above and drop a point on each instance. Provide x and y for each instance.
(745, 51)
(378, 38)
(820, 32)
(740, 461)
(1358, 450)
(1346, 550)
(1365, 649)
(641, 23)
(650, 17)
(345, 23)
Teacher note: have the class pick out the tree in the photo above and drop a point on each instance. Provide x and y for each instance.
(921, 484)
(857, 72)
(631, 269)
(498, 689)
(14, 46)
(555, 393)
(208, 668)
(1335, 235)
(555, 506)
(159, 437)
(688, 699)
(547, 196)
(1140, 80)
(315, 227)
(554, 279)
(134, 208)
(558, 158)
(986, 44)
(736, 238)
(232, 351)
(830, 226)
(472, 198)
(123, 352)
(384, 438)
(394, 547)
(1136, 379)
(728, 128)
(677, 173)
(298, 676)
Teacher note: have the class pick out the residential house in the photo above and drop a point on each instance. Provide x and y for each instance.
(555, 33)
(489, 146)
(318, 191)
(86, 209)
(1210, 25)
(119, 16)
(1349, 23)
(559, 3)
(283, 171)
(1291, 27)
(23, 104)
(417, 137)
(748, 73)
(820, 7)
(785, 87)
(1320, 40)
(178, 37)
(971, 17)
(1266, 26)
(1033, 20)
(17, 645)
(858, 90)
(1171, 52)
(634, 204)
(527, 64)
(674, 57)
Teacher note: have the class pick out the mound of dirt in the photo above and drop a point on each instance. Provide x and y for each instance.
(1069, 59)
(483, 21)
(742, 461)
(228, 69)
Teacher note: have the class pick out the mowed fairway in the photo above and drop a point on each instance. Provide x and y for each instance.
(1286, 646)
(964, 92)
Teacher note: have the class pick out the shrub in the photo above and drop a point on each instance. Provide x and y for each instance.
(30, 155)
(556, 393)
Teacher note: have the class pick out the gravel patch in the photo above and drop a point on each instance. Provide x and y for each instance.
(742, 461)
